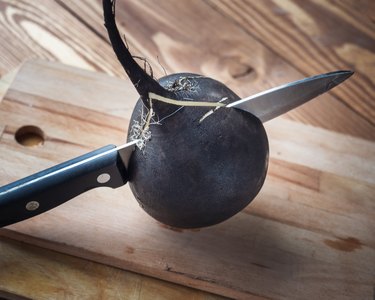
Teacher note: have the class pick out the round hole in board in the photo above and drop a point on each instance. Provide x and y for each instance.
(29, 136)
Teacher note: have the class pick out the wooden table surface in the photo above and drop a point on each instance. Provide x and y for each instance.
(249, 45)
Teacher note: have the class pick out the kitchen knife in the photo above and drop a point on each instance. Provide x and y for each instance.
(107, 166)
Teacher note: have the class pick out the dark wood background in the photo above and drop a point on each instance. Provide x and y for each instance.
(249, 45)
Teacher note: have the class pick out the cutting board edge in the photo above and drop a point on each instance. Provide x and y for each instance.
(189, 280)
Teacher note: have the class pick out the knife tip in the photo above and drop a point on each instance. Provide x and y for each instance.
(338, 77)
(346, 72)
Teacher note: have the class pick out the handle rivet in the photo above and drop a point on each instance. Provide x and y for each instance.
(32, 205)
(103, 178)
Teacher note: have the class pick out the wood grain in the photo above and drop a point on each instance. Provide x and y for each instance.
(308, 234)
(314, 36)
(43, 29)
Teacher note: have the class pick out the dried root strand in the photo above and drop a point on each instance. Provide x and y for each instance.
(153, 96)
(140, 130)
(146, 64)
(181, 84)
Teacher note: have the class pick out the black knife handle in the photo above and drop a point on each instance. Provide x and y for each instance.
(47, 189)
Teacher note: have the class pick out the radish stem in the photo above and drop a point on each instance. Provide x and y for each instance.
(142, 81)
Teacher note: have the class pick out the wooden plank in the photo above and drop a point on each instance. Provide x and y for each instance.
(68, 90)
(174, 34)
(308, 234)
(316, 36)
(44, 274)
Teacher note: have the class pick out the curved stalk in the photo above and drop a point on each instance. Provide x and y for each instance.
(142, 81)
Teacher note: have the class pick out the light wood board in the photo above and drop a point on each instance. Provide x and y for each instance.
(309, 233)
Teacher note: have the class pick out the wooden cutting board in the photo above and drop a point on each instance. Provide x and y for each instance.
(309, 234)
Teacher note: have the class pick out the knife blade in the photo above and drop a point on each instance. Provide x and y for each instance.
(279, 100)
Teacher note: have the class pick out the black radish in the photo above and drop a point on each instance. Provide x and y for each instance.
(197, 163)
